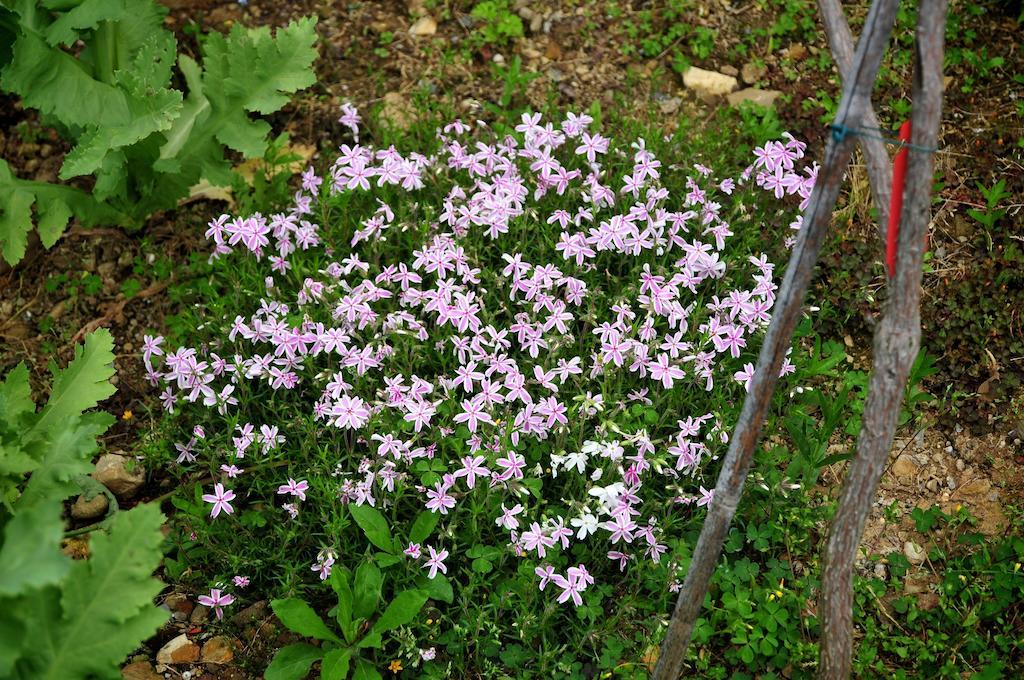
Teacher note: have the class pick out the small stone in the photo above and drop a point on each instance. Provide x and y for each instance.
(978, 487)
(880, 571)
(960, 464)
(932, 485)
(179, 604)
(709, 84)
(112, 472)
(914, 552)
(92, 508)
(424, 26)
(670, 105)
(950, 482)
(217, 650)
(531, 53)
(536, 24)
(177, 651)
(729, 70)
(752, 72)
(140, 670)
(199, 614)
(498, 58)
(904, 469)
(765, 98)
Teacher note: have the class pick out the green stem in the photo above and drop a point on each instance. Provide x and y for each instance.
(106, 51)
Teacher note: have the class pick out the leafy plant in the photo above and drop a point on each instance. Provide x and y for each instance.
(64, 619)
(145, 142)
(358, 603)
(991, 213)
(498, 23)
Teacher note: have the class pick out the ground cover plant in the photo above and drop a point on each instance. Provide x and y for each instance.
(506, 363)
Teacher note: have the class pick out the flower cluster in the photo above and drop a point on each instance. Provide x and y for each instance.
(546, 331)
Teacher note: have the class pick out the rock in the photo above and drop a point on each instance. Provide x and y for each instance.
(914, 552)
(709, 84)
(670, 105)
(752, 72)
(932, 485)
(140, 670)
(765, 98)
(181, 607)
(112, 472)
(729, 70)
(177, 651)
(397, 110)
(904, 469)
(93, 508)
(880, 571)
(257, 611)
(960, 465)
(199, 614)
(424, 26)
(977, 487)
(217, 650)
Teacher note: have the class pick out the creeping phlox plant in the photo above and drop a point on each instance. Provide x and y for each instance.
(545, 362)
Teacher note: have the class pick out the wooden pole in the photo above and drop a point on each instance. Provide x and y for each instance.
(852, 106)
(876, 158)
(896, 346)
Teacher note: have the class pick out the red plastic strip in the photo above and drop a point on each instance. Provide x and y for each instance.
(899, 173)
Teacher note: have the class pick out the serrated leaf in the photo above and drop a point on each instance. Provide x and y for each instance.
(106, 605)
(300, 618)
(86, 15)
(335, 664)
(15, 224)
(63, 456)
(367, 590)
(30, 556)
(292, 662)
(15, 397)
(82, 385)
(53, 220)
(48, 79)
(13, 635)
(373, 525)
(423, 526)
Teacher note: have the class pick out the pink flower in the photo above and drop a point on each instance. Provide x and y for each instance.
(240, 581)
(221, 499)
(294, 488)
(435, 562)
(216, 600)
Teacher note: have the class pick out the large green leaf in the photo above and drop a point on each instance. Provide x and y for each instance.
(30, 556)
(424, 525)
(106, 603)
(64, 30)
(335, 664)
(399, 612)
(300, 618)
(343, 590)
(80, 386)
(53, 81)
(292, 662)
(15, 223)
(367, 590)
(15, 397)
(63, 456)
(373, 525)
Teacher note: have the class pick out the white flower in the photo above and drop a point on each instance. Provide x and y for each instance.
(585, 524)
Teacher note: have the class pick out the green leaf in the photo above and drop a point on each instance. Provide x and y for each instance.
(292, 662)
(335, 664)
(105, 607)
(367, 590)
(438, 588)
(15, 223)
(56, 83)
(424, 525)
(373, 525)
(401, 610)
(86, 15)
(15, 397)
(82, 385)
(343, 613)
(365, 671)
(53, 220)
(64, 456)
(300, 618)
(31, 556)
